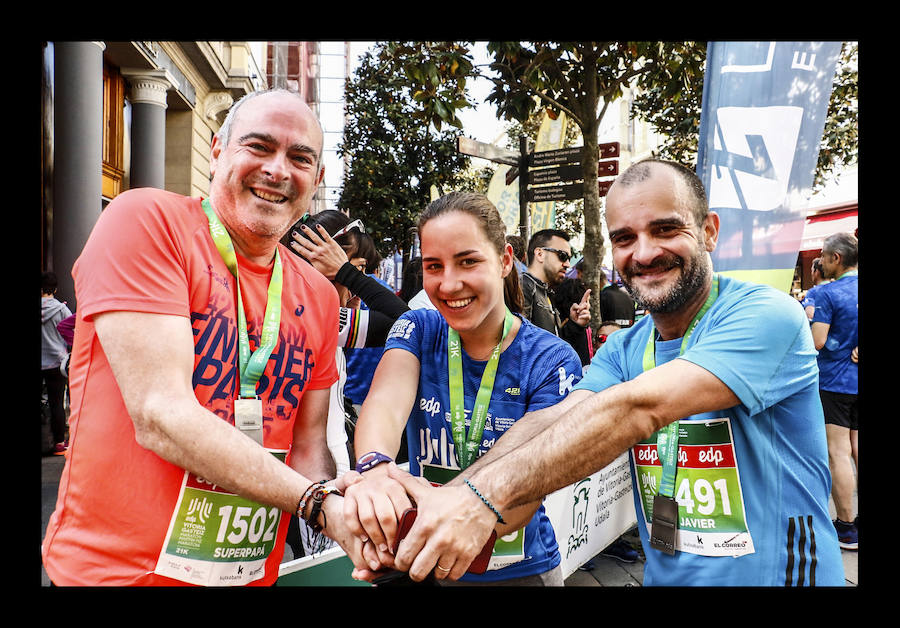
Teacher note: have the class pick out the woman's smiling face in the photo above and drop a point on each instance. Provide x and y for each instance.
(462, 273)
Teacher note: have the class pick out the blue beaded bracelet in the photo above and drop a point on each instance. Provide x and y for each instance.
(486, 502)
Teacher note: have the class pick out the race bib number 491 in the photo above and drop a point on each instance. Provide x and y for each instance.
(711, 517)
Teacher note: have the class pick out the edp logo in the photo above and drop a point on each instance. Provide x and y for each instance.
(431, 406)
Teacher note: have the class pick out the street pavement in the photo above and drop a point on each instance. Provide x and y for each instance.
(605, 572)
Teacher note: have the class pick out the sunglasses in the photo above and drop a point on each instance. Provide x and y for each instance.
(356, 224)
(562, 255)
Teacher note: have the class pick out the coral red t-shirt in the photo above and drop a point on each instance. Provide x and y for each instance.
(151, 251)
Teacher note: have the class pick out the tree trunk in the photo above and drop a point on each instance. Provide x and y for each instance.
(593, 234)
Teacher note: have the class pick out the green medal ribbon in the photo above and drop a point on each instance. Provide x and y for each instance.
(667, 437)
(251, 366)
(467, 448)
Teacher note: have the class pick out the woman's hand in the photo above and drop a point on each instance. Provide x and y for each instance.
(320, 250)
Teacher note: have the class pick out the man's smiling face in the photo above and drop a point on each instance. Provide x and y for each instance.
(265, 177)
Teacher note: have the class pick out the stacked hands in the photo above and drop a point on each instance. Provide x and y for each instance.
(450, 530)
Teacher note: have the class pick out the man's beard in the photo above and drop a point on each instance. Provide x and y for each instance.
(554, 280)
(694, 275)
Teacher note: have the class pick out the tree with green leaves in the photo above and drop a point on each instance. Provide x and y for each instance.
(580, 78)
(394, 158)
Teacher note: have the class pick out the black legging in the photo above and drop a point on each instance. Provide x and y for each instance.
(56, 392)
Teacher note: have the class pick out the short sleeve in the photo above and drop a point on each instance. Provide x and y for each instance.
(406, 333)
(557, 371)
(133, 260)
(758, 344)
(824, 307)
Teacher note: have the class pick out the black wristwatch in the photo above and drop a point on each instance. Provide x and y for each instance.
(370, 460)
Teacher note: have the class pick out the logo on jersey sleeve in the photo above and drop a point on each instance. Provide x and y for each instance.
(565, 381)
(402, 329)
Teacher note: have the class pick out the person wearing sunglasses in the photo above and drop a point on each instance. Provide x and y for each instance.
(548, 260)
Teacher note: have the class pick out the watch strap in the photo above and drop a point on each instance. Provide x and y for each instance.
(370, 460)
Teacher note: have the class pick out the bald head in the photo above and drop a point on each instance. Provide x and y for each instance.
(688, 188)
(224, 133)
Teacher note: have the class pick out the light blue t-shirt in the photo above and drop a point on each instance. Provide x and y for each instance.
(757, 341)
(838, 305)
(537, 370)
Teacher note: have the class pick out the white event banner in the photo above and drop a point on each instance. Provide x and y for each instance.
(590, 514)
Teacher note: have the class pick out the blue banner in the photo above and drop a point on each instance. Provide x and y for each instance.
(764, 110)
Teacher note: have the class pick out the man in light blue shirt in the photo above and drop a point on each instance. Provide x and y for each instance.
(723, 368)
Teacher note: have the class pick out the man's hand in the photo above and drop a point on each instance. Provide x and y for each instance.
(373, 505)
(581, 312)
(451, 528)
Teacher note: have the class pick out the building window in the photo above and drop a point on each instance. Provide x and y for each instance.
(113, 131)
(332, 77)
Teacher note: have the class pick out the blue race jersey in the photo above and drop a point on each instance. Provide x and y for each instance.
(361, 364)
(537, 370)
(838, 305)
(757, 341)
(810, 298)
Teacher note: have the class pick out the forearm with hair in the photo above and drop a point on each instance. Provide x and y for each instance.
(596, 429)
(523, 431)
(589, 435)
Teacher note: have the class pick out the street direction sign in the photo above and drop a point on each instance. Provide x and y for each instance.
(568, 192)
(603, 187)
(608, 168)
(610, 149)
(559, 156)
(487, 151)
(568, 172)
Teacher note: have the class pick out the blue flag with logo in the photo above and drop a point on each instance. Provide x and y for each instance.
(764, 110)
